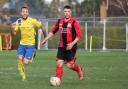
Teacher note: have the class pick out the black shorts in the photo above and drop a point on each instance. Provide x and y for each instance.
(66, 55)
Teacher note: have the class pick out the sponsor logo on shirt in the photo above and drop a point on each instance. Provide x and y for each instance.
(65, 30)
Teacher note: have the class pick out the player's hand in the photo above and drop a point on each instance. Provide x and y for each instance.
(12, 26)
(69, 46)
(43, 42)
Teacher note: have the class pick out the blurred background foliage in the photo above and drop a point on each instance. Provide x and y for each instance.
(83, 10)
(54, 8)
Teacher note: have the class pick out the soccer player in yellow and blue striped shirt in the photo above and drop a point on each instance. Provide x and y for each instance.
(26, 49)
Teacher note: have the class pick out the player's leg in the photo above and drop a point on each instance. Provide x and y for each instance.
(59, 63)
(21, 53)
(59, 68)
(21, 67)
(74, 66)
(71, 55)
(30, 50)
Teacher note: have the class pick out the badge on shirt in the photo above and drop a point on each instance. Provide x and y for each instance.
(69, 25)
(19, 22)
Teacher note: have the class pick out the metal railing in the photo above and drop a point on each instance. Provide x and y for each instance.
(106, 35)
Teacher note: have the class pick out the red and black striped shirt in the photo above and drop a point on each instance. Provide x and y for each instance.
(68, 31)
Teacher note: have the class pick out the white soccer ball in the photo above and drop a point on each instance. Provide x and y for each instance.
(55, 81)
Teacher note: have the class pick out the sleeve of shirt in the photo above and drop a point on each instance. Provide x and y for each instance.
(77, 29)
(16, 25)
(55, 28)
(37, 24)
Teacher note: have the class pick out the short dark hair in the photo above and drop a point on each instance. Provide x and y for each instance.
(67, 7)
(24, 7)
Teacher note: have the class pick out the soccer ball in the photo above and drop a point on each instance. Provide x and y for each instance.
(55, 81)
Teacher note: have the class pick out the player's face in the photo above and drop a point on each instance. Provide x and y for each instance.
(67, 13)
(24, 13)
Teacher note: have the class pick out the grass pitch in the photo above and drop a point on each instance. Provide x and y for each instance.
(102, 70)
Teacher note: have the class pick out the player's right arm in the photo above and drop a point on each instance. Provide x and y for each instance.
(51, 33)
(47, 37)
(14, 27)
(13, 32)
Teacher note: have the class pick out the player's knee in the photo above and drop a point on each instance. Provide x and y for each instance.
(26, 62)
(20, 58)
(59, 63)
(69, 65)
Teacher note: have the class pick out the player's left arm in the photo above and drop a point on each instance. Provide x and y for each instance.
(78, 35)
(78, 32)
(43, 30)
(39, 25)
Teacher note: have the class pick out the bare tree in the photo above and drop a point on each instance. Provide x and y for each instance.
(55, 8)
(118, 7)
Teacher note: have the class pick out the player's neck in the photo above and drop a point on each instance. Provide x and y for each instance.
(25, 18)
(67, 19)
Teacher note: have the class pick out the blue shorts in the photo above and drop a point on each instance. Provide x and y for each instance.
(26, 51)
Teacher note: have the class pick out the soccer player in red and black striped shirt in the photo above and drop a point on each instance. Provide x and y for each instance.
(70, 34)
